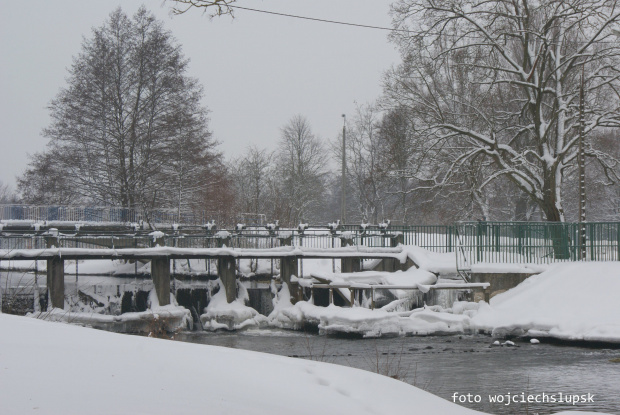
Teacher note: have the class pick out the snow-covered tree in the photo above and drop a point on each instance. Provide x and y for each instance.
(495, 85)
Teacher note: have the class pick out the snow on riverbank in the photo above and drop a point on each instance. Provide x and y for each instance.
(53, 368)
(576, 301)
(169, 318)
(571, 301)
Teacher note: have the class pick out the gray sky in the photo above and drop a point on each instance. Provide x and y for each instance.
(257, 70)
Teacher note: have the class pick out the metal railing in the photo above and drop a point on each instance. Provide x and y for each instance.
(473, 242)
(535, 242)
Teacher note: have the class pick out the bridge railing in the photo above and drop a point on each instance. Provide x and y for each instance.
(255, 238)
(473, 242)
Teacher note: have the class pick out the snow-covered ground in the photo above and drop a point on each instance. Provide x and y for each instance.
(55, 368)
(574, 301)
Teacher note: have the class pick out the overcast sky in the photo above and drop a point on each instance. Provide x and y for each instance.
(257, 70)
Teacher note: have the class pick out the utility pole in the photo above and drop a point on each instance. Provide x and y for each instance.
(581, 161)
(344, 170)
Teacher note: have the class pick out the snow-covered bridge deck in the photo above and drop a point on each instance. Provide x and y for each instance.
(193, 253)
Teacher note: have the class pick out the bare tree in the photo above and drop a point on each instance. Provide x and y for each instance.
(252, 174)
(129, 129)
(43, 183)
(398, 149)
(215, 7)
(7, 195)
(302, 166)
(365, 179)
(496, 84)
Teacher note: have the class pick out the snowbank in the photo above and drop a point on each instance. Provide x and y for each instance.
(220, 314)
(107, 373)
(571, 301)
(576, 301)
(440, 263)
(170, 318)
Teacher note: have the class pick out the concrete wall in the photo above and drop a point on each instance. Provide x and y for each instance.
(500, 281)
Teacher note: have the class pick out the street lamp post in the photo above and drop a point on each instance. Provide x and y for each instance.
(344, 169)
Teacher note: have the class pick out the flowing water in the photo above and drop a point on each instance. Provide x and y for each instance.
(457, 364)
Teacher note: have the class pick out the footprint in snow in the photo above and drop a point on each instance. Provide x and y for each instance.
(322, 381)
(343, 392)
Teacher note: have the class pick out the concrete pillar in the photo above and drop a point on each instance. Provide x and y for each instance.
(221, 241)
(286, 240)
(160, 272)
(393, 264)
(226, 271)
(161, 241)
(51, 241)
(349, 264)
(56, 282)
(397, 239)
(288, 267)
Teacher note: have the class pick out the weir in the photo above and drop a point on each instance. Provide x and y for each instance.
(161, 256)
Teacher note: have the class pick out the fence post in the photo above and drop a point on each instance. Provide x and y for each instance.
(592, 234)
(617, 241)
(479, 242)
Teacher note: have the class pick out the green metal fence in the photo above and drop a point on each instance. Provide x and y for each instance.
(535, 242)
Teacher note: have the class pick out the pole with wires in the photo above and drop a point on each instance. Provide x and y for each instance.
(581, 161)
